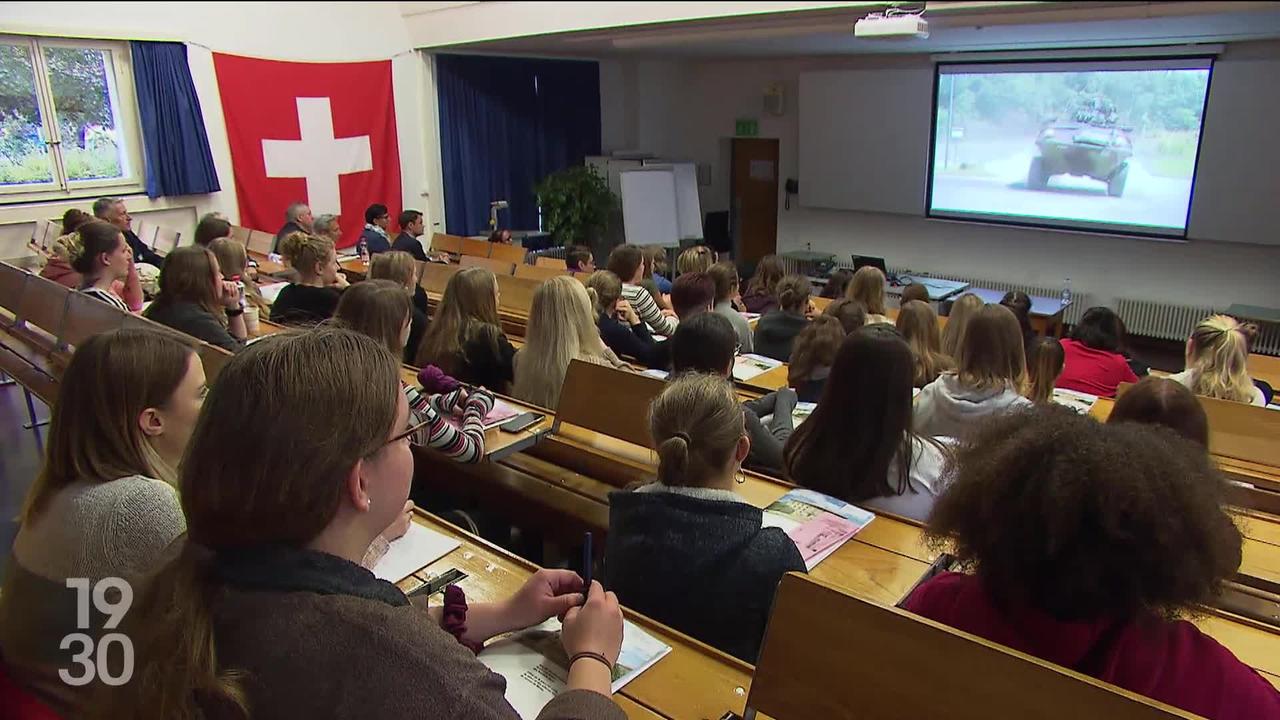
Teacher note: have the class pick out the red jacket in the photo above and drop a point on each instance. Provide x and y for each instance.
(1097, 372)
(1172, 662)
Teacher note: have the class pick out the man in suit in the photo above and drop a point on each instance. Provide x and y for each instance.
(297, 218)
(412, 226)
(113, 210)
(376, 221)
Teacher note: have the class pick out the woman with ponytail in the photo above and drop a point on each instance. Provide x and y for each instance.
(687, 550)
(313, 297)
(776, 332)
(265, 611)
(1217, 361)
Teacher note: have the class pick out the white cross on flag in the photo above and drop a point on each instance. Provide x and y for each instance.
(319, 133)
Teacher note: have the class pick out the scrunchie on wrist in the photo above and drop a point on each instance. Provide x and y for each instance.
(454, 619)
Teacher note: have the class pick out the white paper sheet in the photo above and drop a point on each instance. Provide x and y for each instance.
(418, 548)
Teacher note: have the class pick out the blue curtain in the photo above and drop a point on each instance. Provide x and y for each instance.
(506, 123)
(173, 137)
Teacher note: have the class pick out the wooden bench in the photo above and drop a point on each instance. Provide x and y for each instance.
(513, 254)
(474, 248)
(829, 654)
(539, 273)
(451, 244)
(499, 267)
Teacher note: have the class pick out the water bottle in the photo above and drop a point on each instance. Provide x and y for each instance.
(362, 248)
(1066, 292)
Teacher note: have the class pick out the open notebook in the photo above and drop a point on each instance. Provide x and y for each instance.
(536, 667)
(817, 523)
(500, 413)
(1078, 401)
(750, 365)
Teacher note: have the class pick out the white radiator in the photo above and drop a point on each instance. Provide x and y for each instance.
(1175, 322)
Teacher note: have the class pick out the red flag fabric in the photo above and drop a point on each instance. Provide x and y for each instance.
(319, 133)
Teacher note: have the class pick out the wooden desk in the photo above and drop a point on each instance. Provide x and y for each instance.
(692, 681)
(1045, 313)
(768, 381)
(1265, 368)
(939, 289)
(499, 443)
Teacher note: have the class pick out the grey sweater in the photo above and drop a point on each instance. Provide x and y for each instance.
(88, 530)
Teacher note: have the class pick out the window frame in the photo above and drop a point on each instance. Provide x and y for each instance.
(61, 187)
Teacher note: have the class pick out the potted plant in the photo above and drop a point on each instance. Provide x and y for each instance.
(576, 203)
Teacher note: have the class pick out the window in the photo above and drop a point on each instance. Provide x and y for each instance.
(68, 119)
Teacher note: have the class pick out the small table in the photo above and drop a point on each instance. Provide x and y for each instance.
(1046, 312)
(938, 288)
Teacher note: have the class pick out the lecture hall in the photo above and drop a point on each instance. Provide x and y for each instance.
(706, 361)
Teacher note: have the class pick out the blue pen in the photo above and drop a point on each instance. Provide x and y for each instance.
(586, 565)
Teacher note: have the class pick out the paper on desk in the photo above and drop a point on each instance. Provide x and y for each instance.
(817, 523)
(416, 549)
(660, 374)
(535, 665)
(500, 413)
(272, 291)
(1078, 401)
(750, 365)
(801, 412)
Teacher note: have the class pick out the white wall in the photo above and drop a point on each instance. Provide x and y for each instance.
(334, 32)
(685, 109)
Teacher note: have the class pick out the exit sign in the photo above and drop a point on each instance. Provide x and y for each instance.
(747, 127)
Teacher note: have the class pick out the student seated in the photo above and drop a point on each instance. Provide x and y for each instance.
(760, 296)
(812, 356)
(693, 292)
(465, 340)
(620, 328)
(1044, 365)
(1094, 360)
(104, 263)
(561, 328)
(1019, 303)
(1218, 361)
(233, 261)
(1087, 543)
(69, 246)
(297, 218)
(989, 378)
(313, 297)
(850, 313)
(867, 287)
(776, 331)
(194, 299)
(914, 292)
(919, 327)
(400, 268)
(837, 283)
(377, 218)
(706, 345)
(964, 308)
(725, 277)
(627, 262)
(412, 226)
(859, 445)
(103, 504)
(380, 309)
(687, 550)
(1163, 401)
(501, 237)
(658, 275)
(578, 259)
(698, 258)
(211, 227)
(265, 599)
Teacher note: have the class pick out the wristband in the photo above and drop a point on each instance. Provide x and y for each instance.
(594, 656)
(234, 312)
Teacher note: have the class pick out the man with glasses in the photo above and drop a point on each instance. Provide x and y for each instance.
(376, 221)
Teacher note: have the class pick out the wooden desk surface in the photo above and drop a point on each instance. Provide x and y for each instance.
(499, 443)
(769, 380)
(1265, 368)
(692, 681)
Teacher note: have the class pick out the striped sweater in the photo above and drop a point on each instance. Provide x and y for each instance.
(465, 445)
(648, 310)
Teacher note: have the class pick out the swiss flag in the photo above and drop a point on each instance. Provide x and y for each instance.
(322, 133)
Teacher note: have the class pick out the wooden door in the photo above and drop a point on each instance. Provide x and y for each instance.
(753, 198)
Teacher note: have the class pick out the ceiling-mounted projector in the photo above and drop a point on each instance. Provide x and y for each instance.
(898, 26)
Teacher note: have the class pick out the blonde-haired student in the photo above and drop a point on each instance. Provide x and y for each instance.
(233, 261)
(776, 331)
(381, 310)
(400, 267)
(313, 297)
(561, 328)
(688, 550)
(867, 287)
(466, 340)
(103, 504)
(264, 611)
(919, 327)
(990, 377)
(698, 258)
(1217, 361)
(964, 308)
(1044, 364)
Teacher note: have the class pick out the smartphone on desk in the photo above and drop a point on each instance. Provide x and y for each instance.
(520, 422)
